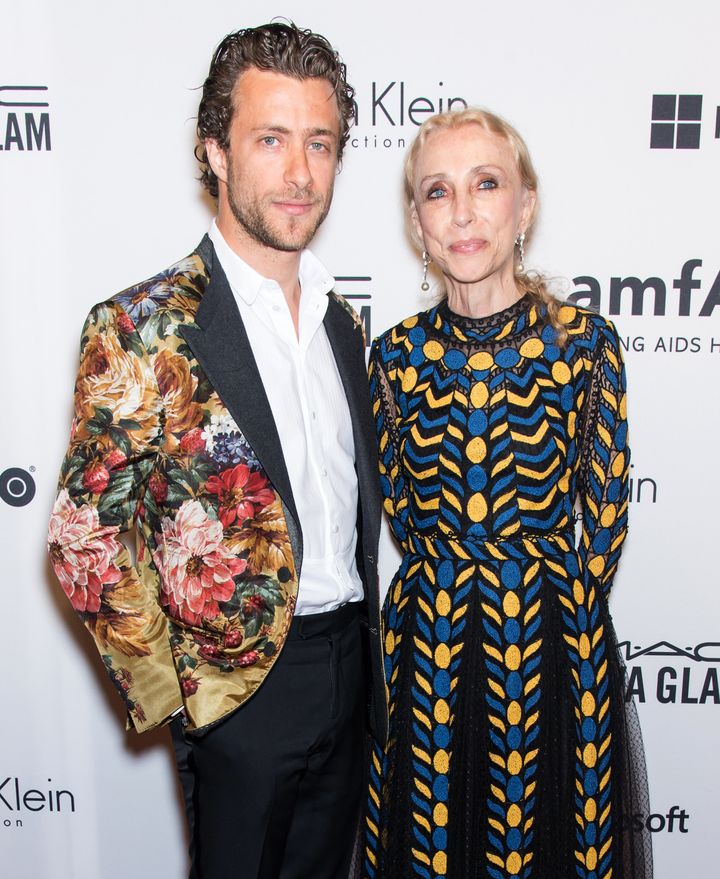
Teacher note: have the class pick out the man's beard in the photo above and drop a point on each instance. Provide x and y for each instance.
(249, 215)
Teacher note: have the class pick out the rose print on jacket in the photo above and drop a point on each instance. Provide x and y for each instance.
(177, 386)
(197, 568)
(122, 388)
(241, 493)
(82, 552)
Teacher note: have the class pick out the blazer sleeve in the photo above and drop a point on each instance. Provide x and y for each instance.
(115, 437)
(605, 465)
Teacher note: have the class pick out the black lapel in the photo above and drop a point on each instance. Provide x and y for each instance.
(347, 344)
(220, 343)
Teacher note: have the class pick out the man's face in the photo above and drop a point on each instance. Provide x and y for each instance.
(279, 168)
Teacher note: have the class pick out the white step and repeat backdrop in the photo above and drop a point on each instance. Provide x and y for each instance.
(619, 104)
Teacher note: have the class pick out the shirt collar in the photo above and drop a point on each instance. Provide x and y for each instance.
(315, 280)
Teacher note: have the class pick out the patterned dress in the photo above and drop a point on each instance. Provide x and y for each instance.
(511, 749)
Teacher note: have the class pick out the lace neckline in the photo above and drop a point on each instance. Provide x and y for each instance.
(491, 323)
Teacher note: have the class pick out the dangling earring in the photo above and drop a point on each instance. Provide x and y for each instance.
(426, 262)
(520, 243)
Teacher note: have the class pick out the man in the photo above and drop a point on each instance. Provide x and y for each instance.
(222, 413)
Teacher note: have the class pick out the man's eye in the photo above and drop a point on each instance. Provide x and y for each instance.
(319, 147)
(270, 140)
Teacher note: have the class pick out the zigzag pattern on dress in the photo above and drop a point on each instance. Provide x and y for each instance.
(506, 753)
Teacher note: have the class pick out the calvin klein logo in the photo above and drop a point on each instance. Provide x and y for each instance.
(394, 104)
(17, 799)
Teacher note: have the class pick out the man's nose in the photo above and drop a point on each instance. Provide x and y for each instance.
(297, 170)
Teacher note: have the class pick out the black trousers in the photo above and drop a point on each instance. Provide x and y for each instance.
(273, 792)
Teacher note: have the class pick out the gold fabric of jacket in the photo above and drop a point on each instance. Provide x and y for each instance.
(173, 442)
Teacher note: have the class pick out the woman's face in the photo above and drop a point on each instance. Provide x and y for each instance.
(470, 203)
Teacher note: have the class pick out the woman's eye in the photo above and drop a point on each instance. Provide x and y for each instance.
(435, 192)
(488, 184)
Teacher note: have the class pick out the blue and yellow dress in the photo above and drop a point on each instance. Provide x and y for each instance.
(511, 749)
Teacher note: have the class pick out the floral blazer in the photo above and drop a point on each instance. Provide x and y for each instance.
(173, 439)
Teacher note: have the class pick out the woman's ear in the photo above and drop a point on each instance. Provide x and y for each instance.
(528, 209)
(415, 224)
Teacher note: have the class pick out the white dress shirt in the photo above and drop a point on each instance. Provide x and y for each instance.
(312, 417)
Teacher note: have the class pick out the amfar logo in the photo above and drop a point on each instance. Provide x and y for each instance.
(676, 122)
(26, 125)
(16, 799)
(687, 683)
(632, 291)
(17, 487)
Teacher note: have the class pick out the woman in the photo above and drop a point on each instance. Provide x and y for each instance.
(510, 752)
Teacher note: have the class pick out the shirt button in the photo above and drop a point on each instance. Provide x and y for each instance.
(324, 471)
(335, 529)
(314, 415)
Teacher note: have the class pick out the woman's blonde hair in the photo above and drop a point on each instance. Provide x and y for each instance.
(533, 282)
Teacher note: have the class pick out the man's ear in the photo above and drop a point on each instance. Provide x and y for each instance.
(217, 159)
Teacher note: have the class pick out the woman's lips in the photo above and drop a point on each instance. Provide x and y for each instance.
(468, 245)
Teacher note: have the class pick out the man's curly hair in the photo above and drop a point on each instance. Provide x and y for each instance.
(277, 47)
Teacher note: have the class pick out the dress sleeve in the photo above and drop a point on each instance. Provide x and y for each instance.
(605, 465)
(386, 417)
(115, 438)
